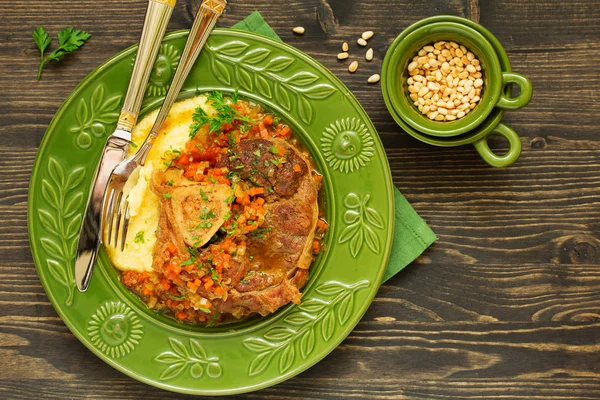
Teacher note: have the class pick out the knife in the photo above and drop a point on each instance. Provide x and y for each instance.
(155, 23)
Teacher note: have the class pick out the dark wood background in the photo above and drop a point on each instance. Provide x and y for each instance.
(506, 305)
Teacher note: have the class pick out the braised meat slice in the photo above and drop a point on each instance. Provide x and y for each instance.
(191, 213)
(272, 164)
(279, 253)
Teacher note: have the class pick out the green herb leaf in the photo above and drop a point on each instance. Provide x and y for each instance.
(139, 237)
(189, 261)
(167, 195)
(214, 275)
(274, 150)
(225, 114)
(42, 40)
(204, 196)
(69, 40)
(213, 318)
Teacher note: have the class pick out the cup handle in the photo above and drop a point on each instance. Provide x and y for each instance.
(512, 103)
(492, 158)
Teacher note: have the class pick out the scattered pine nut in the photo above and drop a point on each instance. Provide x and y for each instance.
(299, 30)
(361, 42)
(342, 56)
(445, 81)
(353, 66)
(345, 46)
(369, 55)
(367, 35)
(373, 78)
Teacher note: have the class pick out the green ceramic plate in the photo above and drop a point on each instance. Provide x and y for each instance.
(357, 196)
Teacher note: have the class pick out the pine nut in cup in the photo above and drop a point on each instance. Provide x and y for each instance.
(450, 76)
(298, 30)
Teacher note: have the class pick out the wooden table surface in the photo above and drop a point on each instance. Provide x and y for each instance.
(506, 305)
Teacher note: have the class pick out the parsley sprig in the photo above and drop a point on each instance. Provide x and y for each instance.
(69, 40)
(225, 114)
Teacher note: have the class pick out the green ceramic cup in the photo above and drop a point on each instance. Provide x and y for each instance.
(485, 119)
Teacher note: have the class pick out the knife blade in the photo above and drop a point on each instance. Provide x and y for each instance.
(155, 24)
(90, 235)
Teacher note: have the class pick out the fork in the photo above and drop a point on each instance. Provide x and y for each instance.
(115, 213)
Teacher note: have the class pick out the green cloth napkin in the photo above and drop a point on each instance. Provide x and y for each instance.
(412, 235)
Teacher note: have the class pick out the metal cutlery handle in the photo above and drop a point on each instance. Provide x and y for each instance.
(205, 20)
(156, 21)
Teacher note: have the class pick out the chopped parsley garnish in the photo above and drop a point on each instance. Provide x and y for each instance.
(189, 261)
(245, 281)
(139, 237)
(207, 213)
(257, 153)
(132, 144)
(214, 275)
(167, 195)
(193, 252)
(204, 310)
(270, 189)
(275, 121)
(274, 150)
(233, 228)
(225, 114)
(174, 297)
(171, 182)
(212, 179)
(202, 225)
(259, 232)
(196, 240)
(204, 196)
(213, 318)
(231, 140)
